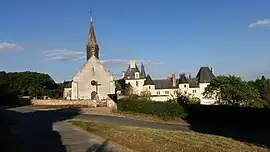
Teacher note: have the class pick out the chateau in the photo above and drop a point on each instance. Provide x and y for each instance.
(93, 81)
(165, 89)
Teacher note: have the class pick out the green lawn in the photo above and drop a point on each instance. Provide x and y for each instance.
(153, 140)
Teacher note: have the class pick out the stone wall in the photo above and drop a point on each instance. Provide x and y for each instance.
(53, 102)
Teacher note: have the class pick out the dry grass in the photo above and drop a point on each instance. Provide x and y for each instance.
(153, 140)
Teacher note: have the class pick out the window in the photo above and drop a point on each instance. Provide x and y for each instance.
(167, 92)
(158, 92)
(185, 86)
(137, 83)
(185, 92)
(93, 71)
(136, 75)
(149, 87)
(194, 91)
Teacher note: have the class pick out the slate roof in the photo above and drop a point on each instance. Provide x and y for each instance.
(193, 83)
(148, 80)
(165, 84)
(205, 75)
(142, 74)
(183, 79)
(92, 35)
(130, 73)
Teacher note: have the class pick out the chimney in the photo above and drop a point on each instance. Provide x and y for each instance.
(173, 80)
(132, 64)
(123, 74)
(212, 70)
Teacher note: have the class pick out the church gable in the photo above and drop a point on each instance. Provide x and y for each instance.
(93, 68)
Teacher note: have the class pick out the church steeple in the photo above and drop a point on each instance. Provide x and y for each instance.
(92, 47)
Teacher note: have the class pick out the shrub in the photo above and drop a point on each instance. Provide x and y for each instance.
(151, 107)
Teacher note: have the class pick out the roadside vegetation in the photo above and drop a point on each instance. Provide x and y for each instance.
(152, 140)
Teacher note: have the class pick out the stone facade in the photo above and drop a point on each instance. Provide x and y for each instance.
(93, 70)
(93, 81)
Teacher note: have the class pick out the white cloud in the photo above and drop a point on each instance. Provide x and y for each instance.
(9, 47)
(64, 55)
(124, 63)
(265, 23)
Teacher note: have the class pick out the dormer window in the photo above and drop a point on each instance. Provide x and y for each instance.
(137, 75)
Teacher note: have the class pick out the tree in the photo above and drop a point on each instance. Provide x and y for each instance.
(35, 84)
(184, 99)
(233, 91)
(118, 86)
(124, 87)
(146, 95)
(263, 86)
(7, 96)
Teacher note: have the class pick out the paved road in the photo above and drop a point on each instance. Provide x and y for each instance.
(116, 120)
(46, 130)
(131, 122)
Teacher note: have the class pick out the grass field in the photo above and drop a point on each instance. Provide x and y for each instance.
(153, 140)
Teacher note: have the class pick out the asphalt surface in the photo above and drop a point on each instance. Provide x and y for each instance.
(114, 120)
(47, 130)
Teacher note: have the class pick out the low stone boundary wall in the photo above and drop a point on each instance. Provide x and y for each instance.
(52, 102)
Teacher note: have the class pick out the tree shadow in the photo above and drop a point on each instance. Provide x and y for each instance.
(248, 125)
(101, 147)
(33, 130)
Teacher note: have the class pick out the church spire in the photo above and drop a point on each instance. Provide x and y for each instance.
(92, 35)
(92, 47)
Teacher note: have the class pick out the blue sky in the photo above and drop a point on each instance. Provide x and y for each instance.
(170, 36)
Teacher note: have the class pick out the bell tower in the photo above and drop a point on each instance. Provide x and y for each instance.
(92, 48)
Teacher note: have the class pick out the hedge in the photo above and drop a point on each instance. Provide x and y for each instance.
(228, 115)
(151, 107)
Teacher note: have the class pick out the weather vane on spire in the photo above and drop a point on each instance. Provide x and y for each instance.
(91, 19)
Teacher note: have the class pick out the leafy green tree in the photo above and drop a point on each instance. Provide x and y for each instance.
(32, 83)
(122, 86)
(263, 86)
(145, 95)
(232, 90)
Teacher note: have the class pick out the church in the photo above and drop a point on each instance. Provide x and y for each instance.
(93, 81)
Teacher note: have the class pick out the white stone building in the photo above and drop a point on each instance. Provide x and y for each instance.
(165, 89)
(93, 81)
